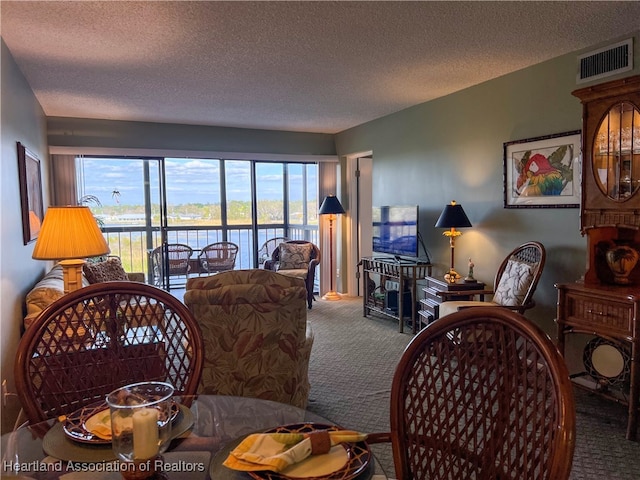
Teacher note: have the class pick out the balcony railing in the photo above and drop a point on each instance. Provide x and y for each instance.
(133, 244)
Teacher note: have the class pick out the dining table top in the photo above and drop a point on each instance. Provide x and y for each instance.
(203, 435)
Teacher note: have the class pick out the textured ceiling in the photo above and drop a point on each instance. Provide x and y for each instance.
(299, 66)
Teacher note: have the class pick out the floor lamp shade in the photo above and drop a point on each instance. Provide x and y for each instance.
(452, 217)
(331, 206)
(70, 234)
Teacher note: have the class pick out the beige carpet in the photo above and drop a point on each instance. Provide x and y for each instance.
(352, 364)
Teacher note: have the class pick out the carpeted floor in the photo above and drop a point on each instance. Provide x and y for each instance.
(352, 364)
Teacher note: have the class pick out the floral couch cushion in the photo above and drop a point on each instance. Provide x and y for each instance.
(257, 339)
(514, 283)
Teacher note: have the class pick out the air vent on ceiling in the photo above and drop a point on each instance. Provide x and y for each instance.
(605, 61)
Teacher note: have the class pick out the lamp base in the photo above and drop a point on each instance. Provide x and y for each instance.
(332, 296)
(72, 274)
(452, 276)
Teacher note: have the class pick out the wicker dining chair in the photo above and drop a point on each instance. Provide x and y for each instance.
(482, 393)
(218, 257)
(102, 337)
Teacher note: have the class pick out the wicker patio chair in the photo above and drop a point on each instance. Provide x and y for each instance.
(218, 257)
(101, 337)
(178, 261)
(267, 248)
(299, 259)
(482, 393)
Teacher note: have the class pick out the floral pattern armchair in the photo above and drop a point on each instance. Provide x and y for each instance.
(257, 340)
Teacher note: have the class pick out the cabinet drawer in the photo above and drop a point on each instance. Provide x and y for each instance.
(432, 294)
(428, 304)
(429, 309)
(601, 314)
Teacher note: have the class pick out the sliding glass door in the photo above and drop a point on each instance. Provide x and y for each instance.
(148, 202)
(126, 196)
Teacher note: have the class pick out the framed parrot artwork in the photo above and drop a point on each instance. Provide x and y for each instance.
(543, 172)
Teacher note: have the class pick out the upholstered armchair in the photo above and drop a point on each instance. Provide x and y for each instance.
(256, 335)
(298, 259)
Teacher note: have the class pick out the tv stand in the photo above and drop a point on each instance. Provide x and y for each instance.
(392, 303)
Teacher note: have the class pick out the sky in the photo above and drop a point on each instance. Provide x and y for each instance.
(188, 180)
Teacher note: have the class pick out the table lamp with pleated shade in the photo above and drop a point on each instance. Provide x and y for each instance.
(70, 234)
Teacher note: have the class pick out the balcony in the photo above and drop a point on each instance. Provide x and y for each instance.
(133, 243)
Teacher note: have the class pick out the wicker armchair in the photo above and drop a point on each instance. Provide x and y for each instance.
(481, 394)
(218, 257)
(256, 335)
(102, 337)
(301, 260)
(266, 250)
(515, 283)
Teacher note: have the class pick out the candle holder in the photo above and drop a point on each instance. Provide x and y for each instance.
(141, 427)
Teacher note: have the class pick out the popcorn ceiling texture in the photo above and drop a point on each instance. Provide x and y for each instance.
(300, 66)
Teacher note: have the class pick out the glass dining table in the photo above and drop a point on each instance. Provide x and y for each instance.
(204, 434)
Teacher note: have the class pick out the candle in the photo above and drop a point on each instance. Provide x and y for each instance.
(145, 433)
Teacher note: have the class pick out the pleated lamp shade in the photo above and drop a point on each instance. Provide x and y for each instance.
(68, 233)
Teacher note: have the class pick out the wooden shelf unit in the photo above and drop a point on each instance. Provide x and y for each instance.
(406, 273)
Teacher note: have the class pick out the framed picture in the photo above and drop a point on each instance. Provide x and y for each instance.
(543, 172)
(30, 194)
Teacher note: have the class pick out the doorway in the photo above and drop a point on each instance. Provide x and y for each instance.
(358, 228)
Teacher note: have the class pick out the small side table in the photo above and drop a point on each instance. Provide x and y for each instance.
(437, 291)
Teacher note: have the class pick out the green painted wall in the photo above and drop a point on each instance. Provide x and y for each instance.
(23, 121)
(452, 149)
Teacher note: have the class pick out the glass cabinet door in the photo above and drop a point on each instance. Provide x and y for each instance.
(616, 152)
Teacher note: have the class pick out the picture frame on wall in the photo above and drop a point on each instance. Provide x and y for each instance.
(543, 172)
(29, 176)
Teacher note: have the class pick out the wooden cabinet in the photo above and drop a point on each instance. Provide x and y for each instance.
(610, 215)
(607, 302)
(437, 291)
(610, 312)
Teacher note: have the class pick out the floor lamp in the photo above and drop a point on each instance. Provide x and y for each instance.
(452, 217)
(70, 234)
(331, 206)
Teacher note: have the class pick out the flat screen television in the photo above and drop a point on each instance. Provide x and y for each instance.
(395, 230)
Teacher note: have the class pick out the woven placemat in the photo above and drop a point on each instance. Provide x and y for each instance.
(57, 444)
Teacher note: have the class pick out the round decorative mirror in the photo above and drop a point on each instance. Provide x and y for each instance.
(616, 152)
